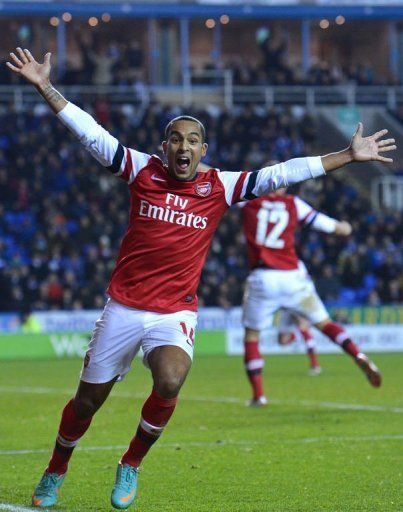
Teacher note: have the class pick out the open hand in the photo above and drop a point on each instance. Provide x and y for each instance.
(25, 65)
(369, 148)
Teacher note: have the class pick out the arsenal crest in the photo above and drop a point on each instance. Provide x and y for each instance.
(203, 189)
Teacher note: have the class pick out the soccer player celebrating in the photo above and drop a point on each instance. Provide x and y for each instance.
(279, 280)
(174, 211)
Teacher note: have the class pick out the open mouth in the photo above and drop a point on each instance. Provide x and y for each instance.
(183, 163)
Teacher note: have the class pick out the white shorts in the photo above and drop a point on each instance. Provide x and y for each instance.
(269, 290)
(121, 332)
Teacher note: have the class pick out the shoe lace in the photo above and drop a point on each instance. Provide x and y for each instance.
(48, 483)
(129, 477)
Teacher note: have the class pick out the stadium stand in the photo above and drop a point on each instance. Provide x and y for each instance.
(61, 216)
(105, 57)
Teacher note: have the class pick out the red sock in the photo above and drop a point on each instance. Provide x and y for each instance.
(154, 416)
(340, 336)
(253, 366)
(310, 347)
(71, 429)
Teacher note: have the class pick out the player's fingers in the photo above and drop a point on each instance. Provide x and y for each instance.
(13, 68)
(28, 55)
(22, 55)
(47, 58)
(359, 130)
(386, 148)
(377, 135)
(385, 142)
(384, 159)
(16, 60)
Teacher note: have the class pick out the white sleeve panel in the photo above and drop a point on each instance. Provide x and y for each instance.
(324, 223)
(249, 185)
(309, 216)
(285, 174)
(101, 144)
(233, 183)
(305, 212)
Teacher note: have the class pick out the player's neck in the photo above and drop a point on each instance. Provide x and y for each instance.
(182, 180)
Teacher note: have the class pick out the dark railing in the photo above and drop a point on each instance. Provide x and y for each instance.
(201, 89)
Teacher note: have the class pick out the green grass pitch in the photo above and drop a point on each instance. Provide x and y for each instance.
(326, 443)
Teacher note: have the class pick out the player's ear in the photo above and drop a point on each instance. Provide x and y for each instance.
(204, 148)
(164, 146)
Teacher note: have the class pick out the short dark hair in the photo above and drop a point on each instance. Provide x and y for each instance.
(168, 127)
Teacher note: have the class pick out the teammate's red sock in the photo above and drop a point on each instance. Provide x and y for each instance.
(154, 416)
(340, 336)
(310, 347)
(71, 429)
(254, 366)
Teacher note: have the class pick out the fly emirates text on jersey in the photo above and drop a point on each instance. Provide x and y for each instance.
(169, 214)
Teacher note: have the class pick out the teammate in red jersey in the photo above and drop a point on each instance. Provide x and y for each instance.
(288, 324)
(173, 214)
(279, 280)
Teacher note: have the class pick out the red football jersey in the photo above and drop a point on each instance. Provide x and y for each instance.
(269, 225)
(171, 226)
(171, 222)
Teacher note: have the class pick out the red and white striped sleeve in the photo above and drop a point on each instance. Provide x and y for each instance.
(103, 146)
(310, 217)
(250, 185)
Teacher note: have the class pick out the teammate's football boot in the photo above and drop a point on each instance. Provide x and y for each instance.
(257, 402)
(47, 491)
(125, 488)
(314, 371)
(370, 369)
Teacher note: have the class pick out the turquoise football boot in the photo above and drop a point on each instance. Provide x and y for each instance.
(125, 488)
(47, 491)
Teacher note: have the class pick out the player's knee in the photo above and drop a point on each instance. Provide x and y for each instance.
(251, 335)
(86, 405)
(169, 386)
(285, 338)
(321, 325)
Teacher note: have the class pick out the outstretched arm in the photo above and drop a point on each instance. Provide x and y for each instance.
(121, 161)
(249, 185)
(318, 221)
(24, 64)
(361, 149)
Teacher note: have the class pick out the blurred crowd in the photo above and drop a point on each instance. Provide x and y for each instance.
(62, 216)
(105, 63)
(96, 61)
(111, 58)
(275, 66)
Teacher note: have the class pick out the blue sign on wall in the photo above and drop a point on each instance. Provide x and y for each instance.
(9, 322)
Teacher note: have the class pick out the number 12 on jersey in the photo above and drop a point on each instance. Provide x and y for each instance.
(271, 213)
